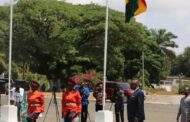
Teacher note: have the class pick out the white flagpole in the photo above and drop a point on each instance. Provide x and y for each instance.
(105, 55)
(10, 48)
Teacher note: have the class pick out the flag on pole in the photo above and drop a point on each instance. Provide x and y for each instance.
(133, 8)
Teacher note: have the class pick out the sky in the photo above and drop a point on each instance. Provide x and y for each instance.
(172, 15)
(5, 2)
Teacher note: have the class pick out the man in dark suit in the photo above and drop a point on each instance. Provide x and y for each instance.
(135, 106)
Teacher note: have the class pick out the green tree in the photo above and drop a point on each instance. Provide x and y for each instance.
(182, 63)
(59, 40)
(164, 40)
(3, 65)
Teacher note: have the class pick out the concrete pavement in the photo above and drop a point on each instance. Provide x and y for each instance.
(153, 112)
(158, 108)
(163, 99)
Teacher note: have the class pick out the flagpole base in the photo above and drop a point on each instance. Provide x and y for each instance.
(104, 116)
(8, 113)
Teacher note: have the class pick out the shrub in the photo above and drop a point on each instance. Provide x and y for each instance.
(182, 87)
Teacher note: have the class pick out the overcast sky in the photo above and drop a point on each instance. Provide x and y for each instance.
(173, 15)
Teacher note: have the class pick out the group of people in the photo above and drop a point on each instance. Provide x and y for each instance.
(135, 102)
(31, 102)
(75, 102)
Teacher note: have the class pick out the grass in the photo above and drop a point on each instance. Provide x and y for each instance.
(152, 91)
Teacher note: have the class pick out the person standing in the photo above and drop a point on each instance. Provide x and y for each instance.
(17, 94)
(98, 95)
(71, 102)
(119, 104)
(16, 88)
(84, 92)
(36, 102)
(184, 108)
(135, 106)
(24, 105)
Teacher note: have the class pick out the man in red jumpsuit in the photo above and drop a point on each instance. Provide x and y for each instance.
(36, 102)
(71, 102)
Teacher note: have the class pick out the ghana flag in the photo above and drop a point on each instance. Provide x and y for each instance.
(133, 8)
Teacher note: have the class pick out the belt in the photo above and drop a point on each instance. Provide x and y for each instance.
(35, 105)
(71, 104)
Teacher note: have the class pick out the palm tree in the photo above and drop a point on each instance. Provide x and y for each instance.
(164, 41)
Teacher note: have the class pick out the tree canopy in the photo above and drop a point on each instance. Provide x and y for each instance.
(59, 40)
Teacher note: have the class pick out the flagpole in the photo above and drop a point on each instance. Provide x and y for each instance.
(105, 55)
(10, 49)
(143, 68)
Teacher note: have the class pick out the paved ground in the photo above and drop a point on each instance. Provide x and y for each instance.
(163, 99)
(157, 109)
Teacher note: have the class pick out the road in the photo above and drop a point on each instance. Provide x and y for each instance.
(154, 112)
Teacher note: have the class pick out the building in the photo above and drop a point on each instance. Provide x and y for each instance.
(172, 83)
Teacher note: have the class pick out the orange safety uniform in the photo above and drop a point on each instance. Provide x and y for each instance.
(36, 102)
(71, 102)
